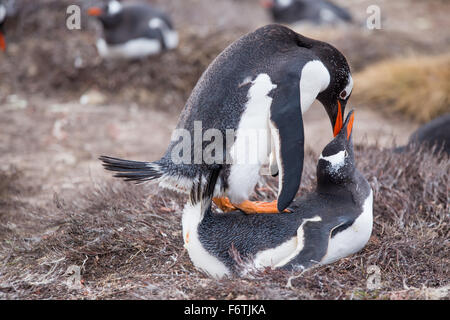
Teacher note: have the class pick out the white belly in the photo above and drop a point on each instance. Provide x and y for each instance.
(354, 238)
(252, 146)
(133, 49)
(254, 128)
(202, 259)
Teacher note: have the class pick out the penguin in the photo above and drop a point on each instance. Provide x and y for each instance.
(314, 11)
(8, 9)
(330, 223)
(248, 104)
(435, 133)
(3, 14)
(133, 31)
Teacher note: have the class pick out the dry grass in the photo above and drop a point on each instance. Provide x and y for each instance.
(44, 58)
(127, 245)
(417, 87)
(125, 241)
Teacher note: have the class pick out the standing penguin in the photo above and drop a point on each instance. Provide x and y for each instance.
(315, 11)
(133, 31)
(262, 83)
(330, 223)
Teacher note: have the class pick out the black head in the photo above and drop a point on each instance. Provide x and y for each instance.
(277, 4)
(336, 164)
(2, 21)
(108, 12)
(334, 98)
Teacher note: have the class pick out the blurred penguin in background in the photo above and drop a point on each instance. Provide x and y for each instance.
(312, 11)
(434, 135)
(8, 8)
(133, 30)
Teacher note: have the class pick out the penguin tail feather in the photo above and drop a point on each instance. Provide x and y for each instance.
(137, 171)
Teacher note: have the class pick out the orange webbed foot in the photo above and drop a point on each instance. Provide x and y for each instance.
(248, 207)
(224, 204)
(253, 207)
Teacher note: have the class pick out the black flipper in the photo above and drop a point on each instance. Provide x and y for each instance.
(286, 118)
(137, 171)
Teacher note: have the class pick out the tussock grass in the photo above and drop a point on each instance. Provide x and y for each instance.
(417, 87)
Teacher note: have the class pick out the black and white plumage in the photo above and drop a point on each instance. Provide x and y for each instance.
(8, 8)
(133, 30)
(330, 223)
(434, 134)
(313, 11)
(261, 83)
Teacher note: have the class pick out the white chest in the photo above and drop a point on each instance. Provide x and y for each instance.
(2, 13)
(132, 49)
(354, 238)
(252, 145)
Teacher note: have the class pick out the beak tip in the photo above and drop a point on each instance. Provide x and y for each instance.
(94, 11)
(350, 124)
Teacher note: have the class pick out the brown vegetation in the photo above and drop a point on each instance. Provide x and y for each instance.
(127, 244)
(125, 241)
(417, 87)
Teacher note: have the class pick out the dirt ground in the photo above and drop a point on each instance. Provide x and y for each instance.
(60, 214)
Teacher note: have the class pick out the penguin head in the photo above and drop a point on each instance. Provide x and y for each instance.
(109, 13)
(337, 163)
(276, 4)
(334, 98)
(2, 21)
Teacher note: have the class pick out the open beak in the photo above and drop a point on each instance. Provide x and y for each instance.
(267, 4)
(2, 42)
(350, 124)
(95, 11)
(339, 118)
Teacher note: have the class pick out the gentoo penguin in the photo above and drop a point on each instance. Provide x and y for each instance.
(435, 133)
(248, 105)
(314, 11)
(133, 31)
(330, 223)
(8, 9)
(3, 13)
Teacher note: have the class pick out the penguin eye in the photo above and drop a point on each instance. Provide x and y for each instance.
(343, 94)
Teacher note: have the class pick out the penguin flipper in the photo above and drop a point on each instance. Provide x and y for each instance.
(286, 124)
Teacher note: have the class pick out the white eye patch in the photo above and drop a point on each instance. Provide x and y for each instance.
(2, 13)
(114, 7)
(284, 3)
(336, 160)
(348, 89)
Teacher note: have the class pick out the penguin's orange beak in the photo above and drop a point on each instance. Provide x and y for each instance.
(2, 42)
(95, 11)
(350, 125)
(338, 123)
(267, 4)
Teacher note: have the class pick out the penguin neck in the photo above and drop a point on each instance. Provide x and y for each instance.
(111, 22)
(328, 188)
(355, 187)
